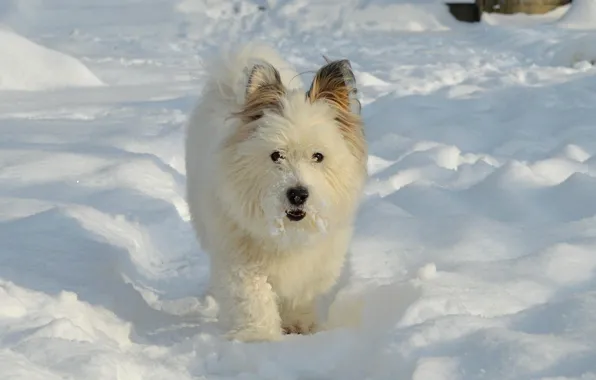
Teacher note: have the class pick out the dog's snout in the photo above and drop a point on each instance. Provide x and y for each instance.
(297, 195)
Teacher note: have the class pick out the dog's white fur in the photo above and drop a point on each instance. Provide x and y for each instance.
(266, 270)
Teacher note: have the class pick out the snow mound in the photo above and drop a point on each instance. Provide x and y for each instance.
(552, 39)
(216, 9)
(27, 66)
(377, 16)
(473, 252)
(582, 15)
(355, 15)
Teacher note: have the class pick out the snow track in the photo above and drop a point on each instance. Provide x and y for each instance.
(474, 249)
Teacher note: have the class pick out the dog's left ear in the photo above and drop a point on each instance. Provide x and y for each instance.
(336, 83)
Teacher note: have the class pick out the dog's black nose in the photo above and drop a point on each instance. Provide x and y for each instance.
(297, 195)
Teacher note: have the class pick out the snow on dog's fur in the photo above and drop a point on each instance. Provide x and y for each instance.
(274, 175)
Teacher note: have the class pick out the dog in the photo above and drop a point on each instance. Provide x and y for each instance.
(275, 174)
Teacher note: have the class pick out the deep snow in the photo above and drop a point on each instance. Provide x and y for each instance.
(474, 251)
(25, 65)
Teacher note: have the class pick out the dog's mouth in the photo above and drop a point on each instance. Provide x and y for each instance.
(295, 215)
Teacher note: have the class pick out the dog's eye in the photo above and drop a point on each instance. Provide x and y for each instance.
(276, 156)
(318, 157)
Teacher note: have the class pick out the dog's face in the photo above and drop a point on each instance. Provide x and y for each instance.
(296, 163)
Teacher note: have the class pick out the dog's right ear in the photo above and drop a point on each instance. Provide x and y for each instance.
(262, 76)
(264, 91)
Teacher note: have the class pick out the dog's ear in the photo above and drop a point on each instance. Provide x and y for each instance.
(262, 76)
(336, 83)
(264, 90)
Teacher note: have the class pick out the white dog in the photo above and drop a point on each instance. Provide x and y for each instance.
(274, 175)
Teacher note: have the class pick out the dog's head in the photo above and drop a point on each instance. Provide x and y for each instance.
(296, 162)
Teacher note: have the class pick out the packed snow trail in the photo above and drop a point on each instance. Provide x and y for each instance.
(474, 249)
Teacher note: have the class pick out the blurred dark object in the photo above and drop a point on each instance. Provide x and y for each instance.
(465, 11)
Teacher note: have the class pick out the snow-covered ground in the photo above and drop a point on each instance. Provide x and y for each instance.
(475, 251)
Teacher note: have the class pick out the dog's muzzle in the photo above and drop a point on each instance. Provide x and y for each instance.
(297, 196)
(295, 215)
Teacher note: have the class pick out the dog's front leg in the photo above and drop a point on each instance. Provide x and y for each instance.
(248, 305)
(299, 318)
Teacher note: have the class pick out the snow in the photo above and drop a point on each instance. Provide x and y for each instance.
(581, 15)
(25, 65)
(473, 256)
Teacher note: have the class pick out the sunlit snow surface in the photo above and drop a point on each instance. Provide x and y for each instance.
(474, 254)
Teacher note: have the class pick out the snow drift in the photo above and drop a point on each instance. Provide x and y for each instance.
(560, 38)
(581, 15)
(473, 256)
(338, 16)
(25, 65)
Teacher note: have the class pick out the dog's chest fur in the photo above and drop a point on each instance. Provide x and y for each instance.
(303, 273)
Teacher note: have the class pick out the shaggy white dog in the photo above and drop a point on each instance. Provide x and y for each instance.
(274, 176)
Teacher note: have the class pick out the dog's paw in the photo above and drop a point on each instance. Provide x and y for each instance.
(255, 335)
(299, 328)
